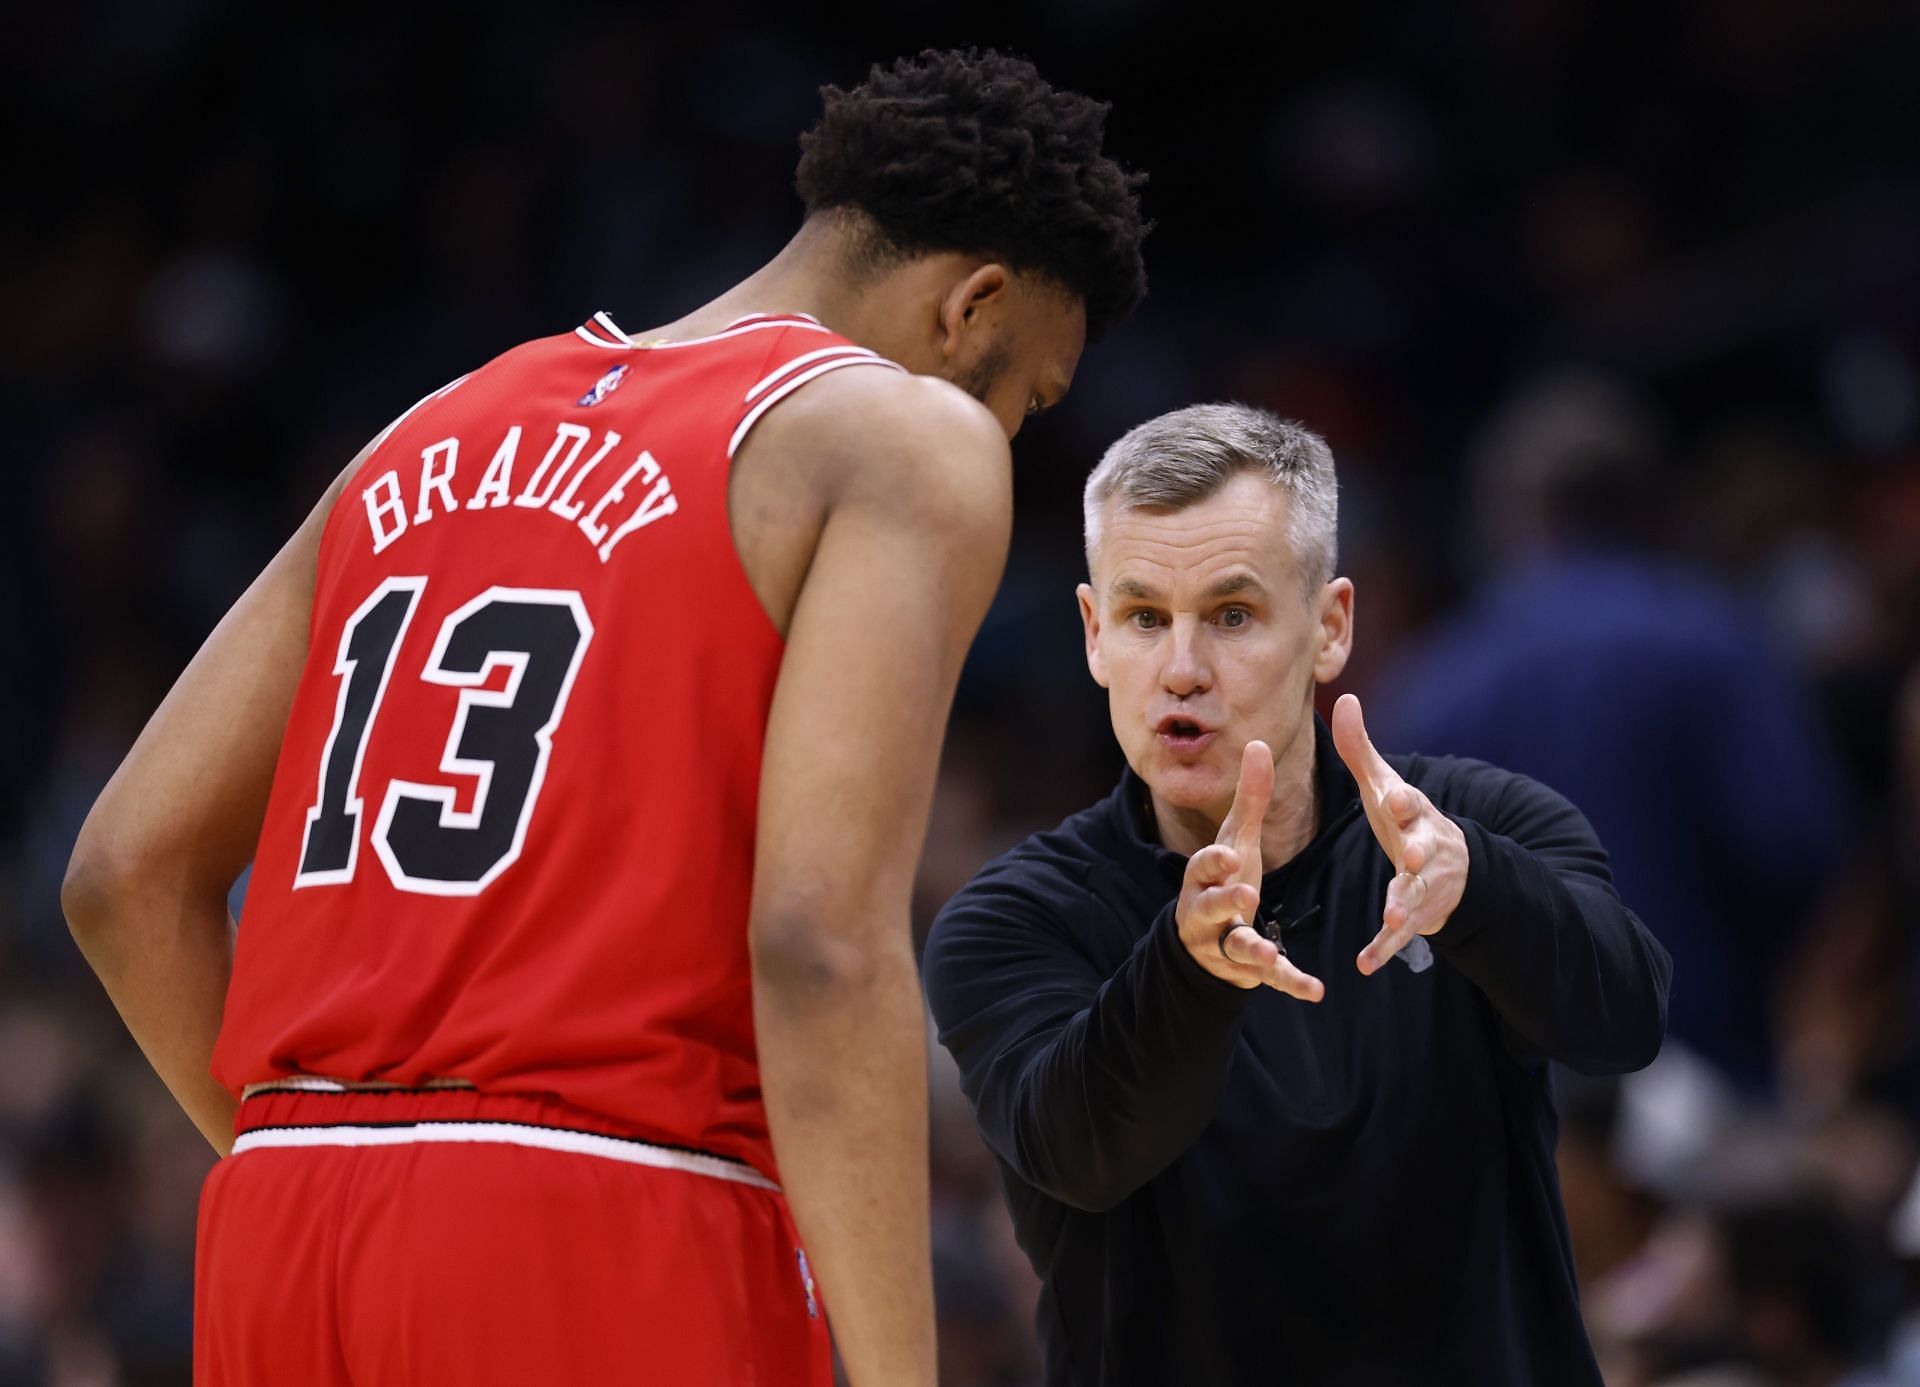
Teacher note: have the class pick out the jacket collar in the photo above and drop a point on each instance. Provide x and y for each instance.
(1131, 813)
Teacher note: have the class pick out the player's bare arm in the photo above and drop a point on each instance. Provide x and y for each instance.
(914, 486)
(146, 890)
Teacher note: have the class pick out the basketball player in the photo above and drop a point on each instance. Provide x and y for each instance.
(582, 741)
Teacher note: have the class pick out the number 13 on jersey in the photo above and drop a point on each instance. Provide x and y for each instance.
(500, 739)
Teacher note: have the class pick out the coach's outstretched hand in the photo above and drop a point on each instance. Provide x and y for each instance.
(1427, 849)
(1221, 892)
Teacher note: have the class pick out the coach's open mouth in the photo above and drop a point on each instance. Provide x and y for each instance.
(1183, 735)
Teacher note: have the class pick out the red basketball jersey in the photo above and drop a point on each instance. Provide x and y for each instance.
(510, 838)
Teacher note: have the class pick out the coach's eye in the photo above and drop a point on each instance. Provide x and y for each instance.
(1143, 619)
(1234, 616)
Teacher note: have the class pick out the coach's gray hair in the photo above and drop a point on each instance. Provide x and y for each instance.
(1184, 457)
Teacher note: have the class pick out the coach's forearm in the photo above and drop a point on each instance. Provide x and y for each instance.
(1109, 1099)
(1541, 932)
(165, 959)
(842, 1042)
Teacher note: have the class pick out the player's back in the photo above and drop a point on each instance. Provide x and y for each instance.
(509, 848)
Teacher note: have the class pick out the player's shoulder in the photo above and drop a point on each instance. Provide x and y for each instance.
(886, 411)
(889, 438)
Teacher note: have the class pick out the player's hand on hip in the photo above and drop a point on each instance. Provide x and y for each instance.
(1221, 893)
(1427, 849)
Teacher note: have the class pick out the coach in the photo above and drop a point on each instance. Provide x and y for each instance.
(1261, 1039)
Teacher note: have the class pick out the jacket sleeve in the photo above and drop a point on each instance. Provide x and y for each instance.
(1541, 931)
(1086, 1086)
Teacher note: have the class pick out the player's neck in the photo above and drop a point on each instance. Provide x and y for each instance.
(807, 276)
(893, 310)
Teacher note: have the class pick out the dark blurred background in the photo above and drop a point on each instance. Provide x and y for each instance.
(1611, 312)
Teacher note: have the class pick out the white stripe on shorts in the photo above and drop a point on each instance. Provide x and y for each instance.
(511, 1134)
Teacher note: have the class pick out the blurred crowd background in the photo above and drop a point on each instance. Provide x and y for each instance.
(1611, 312)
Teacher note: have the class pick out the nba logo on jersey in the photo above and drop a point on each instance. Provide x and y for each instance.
(806, 1281)
(603, 387)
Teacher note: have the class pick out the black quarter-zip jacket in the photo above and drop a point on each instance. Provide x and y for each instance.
(1222, 1186)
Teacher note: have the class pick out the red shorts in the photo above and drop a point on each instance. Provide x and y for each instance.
(369, 1240)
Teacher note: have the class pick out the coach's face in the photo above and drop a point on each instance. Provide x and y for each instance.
(1201, 627)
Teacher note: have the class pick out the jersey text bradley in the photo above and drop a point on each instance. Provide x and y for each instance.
(640, 494)
(510, 842)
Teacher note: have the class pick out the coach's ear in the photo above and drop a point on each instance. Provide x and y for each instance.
(1334, 641)
(1090, 624)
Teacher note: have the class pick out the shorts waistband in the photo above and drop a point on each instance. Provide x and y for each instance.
(302, 1116)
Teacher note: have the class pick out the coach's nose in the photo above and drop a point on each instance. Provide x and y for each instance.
(1187, 670)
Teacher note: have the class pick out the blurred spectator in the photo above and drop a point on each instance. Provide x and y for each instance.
(1804, 1292)
(1780, 1284)
(1629, 680)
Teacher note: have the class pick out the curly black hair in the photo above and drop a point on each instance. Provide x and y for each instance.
(965, 150)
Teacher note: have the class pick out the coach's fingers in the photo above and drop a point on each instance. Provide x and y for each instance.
(1274, 969)
(1407, 898)
(1394, 936)
(1213, 865)
(1244, 946)
(1282, 976)
(1218, 905)
(1402, 804)
(1251, 796)
(1392, 805)
(1350, 739)
(1406, 893)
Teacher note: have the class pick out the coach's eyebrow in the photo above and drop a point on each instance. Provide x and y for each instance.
(1237, 583)
(1133, 587)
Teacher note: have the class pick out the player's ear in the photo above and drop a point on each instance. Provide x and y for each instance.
(969, 302)
(1090, 625)
(1333, 641)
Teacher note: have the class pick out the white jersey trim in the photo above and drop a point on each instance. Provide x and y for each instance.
(585, 336)
(750, 317)
(609, 325)
(794, 383)
(799, 322)
(509, 1134)
(804, 359)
